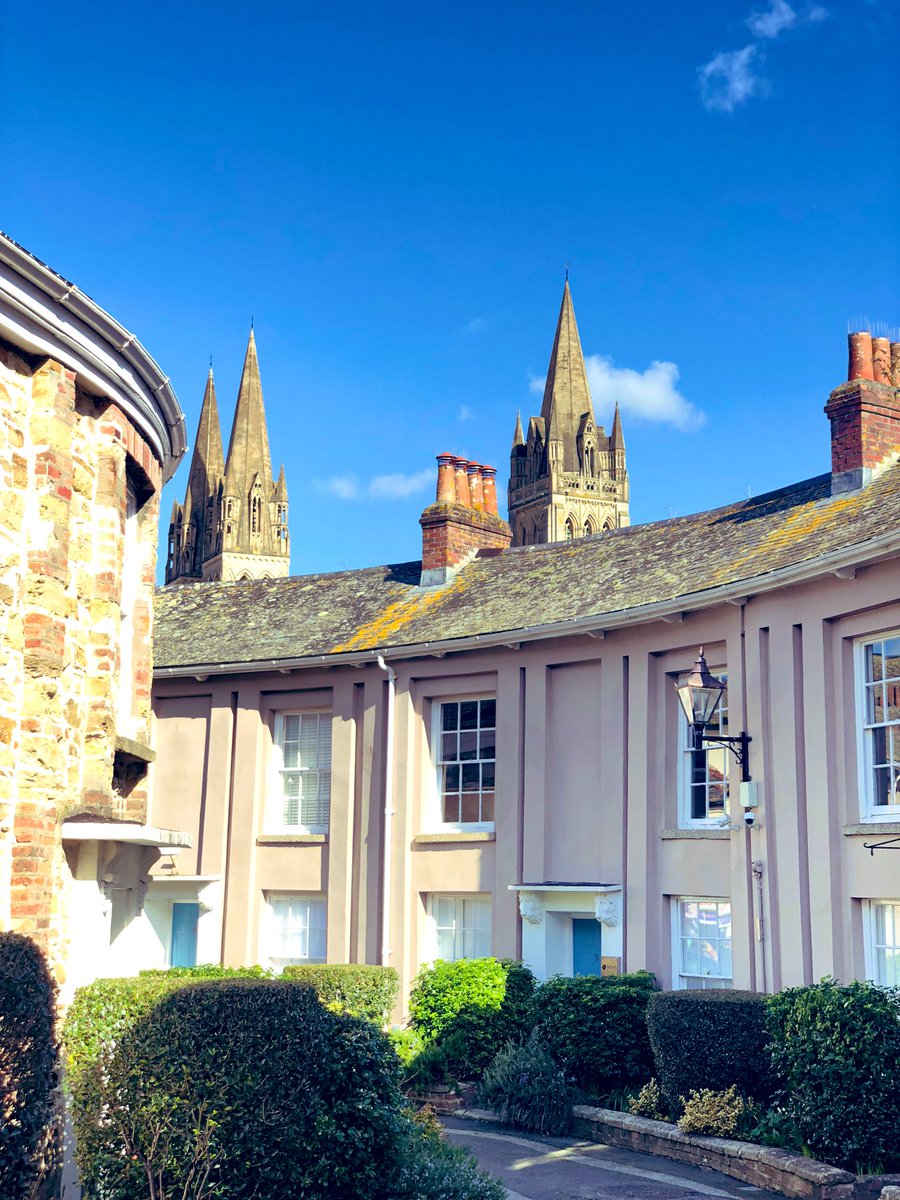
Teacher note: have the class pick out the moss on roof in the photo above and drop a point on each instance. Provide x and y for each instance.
(383, 608)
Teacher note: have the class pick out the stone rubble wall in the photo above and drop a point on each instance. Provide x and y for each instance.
(64, 459)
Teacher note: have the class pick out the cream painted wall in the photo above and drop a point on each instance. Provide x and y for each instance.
(587, 753)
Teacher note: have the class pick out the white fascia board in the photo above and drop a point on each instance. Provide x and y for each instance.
(586, 888)
(44, 314)
(123, 831)
(860, 554)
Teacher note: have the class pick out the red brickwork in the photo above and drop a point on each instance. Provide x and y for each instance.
(865, 425)
(451, 533)
(65, 457)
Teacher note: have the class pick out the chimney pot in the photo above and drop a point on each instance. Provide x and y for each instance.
(860, 366)
(476, 490)
(446, 482)
(895, 364)
(489, 488)
(881, 360)
(463, 495)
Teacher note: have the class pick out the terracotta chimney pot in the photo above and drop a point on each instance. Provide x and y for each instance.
(463, 495)
(446, 479)
(860, 366)
(489, 488)
(476, 490)
(881, 360)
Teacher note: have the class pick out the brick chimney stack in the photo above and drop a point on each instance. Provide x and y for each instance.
(865, 413)
(462, 520)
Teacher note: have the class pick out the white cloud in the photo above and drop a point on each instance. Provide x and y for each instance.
(345, 487)
(774, 20)
(465, 413)
(399, 486)
(730, 78)
(537, 383)
(650, 395)
(816, 13)
(476, 325)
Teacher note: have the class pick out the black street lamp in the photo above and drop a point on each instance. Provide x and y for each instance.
(700, 693)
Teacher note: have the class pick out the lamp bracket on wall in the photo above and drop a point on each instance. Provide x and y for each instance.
(738, 745)
(887, 844)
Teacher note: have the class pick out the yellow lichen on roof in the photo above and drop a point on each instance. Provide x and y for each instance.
(382, 629)
(802, 523)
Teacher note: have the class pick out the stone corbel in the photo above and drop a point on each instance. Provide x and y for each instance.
(531, 908)
(605, 911)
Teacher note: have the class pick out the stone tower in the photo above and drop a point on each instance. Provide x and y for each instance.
(567, 479)
(233, 523)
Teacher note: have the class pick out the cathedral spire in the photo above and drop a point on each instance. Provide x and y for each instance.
(248, 449)
(567, 396)
(208, 461)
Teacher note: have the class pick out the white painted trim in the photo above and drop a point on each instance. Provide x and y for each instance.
(123, 831)
(431, 800)
(274, 798)
(45, 314)
(864, 767)
(564, 887)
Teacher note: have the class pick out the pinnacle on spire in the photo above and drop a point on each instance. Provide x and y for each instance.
(616, 437)
(281, 495)
(518, 436)
(567, 396)
(207, 461)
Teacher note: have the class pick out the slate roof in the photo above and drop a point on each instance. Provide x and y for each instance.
(383, 608)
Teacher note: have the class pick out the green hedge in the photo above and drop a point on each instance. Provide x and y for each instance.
(471, 1009)
(28, 1065)
(707, 1041)
(836, 1051)
(362, 991)
(101, 1013)
(243, 1087)
(596, 1028)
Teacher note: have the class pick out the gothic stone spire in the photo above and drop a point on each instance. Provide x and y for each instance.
(567, 396)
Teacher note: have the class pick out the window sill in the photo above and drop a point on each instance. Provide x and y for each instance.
(451, 836)
(700, 834)
(872, 827)
(292, 839)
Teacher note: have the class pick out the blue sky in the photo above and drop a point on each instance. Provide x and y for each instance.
(392, 192)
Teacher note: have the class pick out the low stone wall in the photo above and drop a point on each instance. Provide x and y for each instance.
(764, 1166)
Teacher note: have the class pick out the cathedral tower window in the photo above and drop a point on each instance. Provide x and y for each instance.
(570, 529)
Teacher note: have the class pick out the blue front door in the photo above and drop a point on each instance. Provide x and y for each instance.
(184, 935)
(585, 946)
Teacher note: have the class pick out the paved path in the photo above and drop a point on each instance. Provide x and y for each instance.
(549, 1168)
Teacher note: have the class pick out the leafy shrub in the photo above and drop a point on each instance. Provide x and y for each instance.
(473, 1007)
(240, 1088)
(101, 1013)
(836, 1050)
(707, 1041)
(442, 989)
(431, 1067)
(354, 988)
(28, 1064)
(648, 1103)
(528, 1089)
(432, 1169)
(406, 1043)
(596, 1028)
(717, 1114)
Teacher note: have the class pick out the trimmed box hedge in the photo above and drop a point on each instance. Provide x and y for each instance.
(28, 1065)
(707, 1041)
(356, 988)
(596, 1028)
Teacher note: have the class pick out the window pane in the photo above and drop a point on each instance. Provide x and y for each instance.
(488, 713)
(892, 658)
(451, 809)
(468, 714)
(487, 775)
(689, 918)
(487, 743)
(487, 806)
(471, 777)
(471, 808)
(882, 778)
(462, 925)
(468, 744)
(450, 716)
(448, 747)
(451, 779)
(874, 661)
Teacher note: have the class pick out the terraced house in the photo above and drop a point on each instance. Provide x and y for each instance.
(484, 751)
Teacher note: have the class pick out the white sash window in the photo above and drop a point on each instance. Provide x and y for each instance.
(301, 778)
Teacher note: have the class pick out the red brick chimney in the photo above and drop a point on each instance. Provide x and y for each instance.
(865, 413)
(462, 521)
